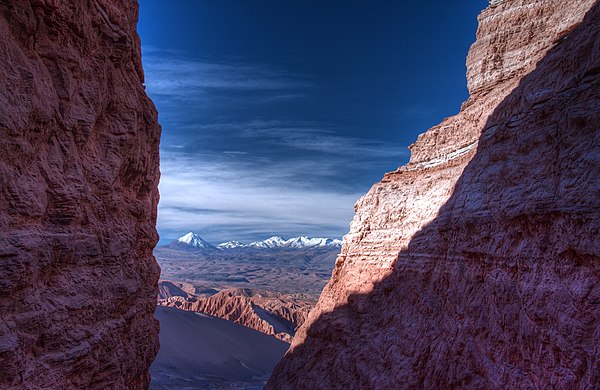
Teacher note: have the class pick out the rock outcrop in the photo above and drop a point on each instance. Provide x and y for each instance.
(269, 312)
(78, 194)
(477, 265)
(182, 290)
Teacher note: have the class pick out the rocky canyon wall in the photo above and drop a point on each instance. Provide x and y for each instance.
(477, 265)
(79, 169)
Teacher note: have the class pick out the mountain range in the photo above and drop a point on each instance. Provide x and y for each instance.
(193, 241)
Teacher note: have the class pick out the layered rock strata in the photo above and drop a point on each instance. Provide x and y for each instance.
(78, 196)
(269, 312)
(477, 265)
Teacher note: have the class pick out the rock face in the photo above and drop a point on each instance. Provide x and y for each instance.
(477, 265)
(78, 194)
(268, 312)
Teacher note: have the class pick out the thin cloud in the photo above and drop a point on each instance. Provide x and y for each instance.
(302, 136)
(286, 178)
(247, 199)
(170, 74)
(326, 141)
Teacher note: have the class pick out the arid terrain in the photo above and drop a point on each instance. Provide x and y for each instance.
(291, 271)
(476, 265)
(243, 296)
(269, 312)
(203, 352)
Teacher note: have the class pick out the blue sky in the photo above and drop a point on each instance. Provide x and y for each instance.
(278, 115)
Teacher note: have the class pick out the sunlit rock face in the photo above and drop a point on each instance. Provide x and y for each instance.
(78, 194)
(477, 265)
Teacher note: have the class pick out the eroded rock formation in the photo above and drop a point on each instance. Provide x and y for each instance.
(477, 265)
(168, 290)
(269, 312)
(78, 193)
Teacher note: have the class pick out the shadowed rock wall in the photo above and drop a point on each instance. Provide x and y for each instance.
(477, 265)
(79, 169)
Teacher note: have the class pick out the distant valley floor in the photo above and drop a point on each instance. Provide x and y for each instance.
(241, 309)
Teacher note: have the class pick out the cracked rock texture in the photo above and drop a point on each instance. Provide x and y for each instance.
(79, 169)
(477, 265)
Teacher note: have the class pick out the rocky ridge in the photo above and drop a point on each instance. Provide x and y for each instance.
(477, 264)
(269, 312)
(79, 171)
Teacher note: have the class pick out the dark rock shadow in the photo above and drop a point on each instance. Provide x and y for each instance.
(507, 294)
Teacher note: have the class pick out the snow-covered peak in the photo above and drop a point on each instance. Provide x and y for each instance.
(336, 242)
(271, 242)
(231, 245)
(304, 242)
(194, 240)
(296, 242)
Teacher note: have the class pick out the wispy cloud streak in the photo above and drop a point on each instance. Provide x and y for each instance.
(242, 199)
(169, 73)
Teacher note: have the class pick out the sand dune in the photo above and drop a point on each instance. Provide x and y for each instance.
(203, 352)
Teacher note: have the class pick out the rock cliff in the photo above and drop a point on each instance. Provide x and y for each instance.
(78, 193)
(477, 265)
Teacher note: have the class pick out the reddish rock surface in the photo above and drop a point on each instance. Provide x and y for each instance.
(168, 290)
(268, 312)
(78, 194)
(477, 265)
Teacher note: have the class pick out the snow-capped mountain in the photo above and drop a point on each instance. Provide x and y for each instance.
(194, 241)
(303, 242)
(279, 242)
(271, 242)
(231, 245)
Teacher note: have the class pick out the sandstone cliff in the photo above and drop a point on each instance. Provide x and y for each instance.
(477, 265)
(78, 193)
